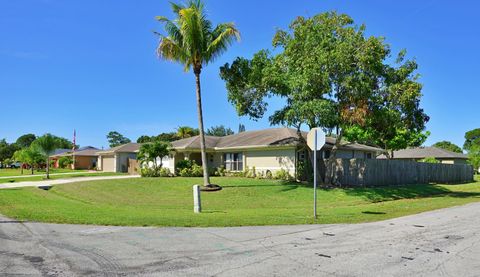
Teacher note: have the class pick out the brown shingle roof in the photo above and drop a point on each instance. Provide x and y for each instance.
(259, 138)
(425, 152)
(124, 148)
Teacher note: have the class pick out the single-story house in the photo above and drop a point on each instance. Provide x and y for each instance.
(266, 150)
(116, 159)
(85, 158)
(419, 153)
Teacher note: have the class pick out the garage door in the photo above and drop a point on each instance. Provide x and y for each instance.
(108, 163)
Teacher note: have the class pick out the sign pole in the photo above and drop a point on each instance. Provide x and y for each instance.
(315, 177)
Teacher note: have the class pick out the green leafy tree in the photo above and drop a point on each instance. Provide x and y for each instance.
(46, 144)
(331, 75)
(447, 145)
(144, 139)
(25, 140)
(115, 139)
(33, 157)
(7, 150)
(151, 153)
(186, 132)
(474, 156)
(20, 156)
(193, 41)
(430, 160)
(172, 136)
(472, 138)
(219, 131)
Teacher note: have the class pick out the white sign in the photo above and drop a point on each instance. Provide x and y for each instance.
(320, 139)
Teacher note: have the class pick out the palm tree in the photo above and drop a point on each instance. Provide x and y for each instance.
(191, 40)
(47, 145)
(186, 132)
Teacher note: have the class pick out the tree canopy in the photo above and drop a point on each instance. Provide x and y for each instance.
(447, 145)
(219, 131)
(26, 140)
(186, 132)
(331, 75)
(472, 137)
(7, 150)
(115, 139)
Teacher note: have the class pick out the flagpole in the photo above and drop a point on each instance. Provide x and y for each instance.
(73, 154)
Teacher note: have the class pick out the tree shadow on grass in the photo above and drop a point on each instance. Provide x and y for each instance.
(406, 192)
(284, 185)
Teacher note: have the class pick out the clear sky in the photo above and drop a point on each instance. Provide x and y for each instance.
(91, 65)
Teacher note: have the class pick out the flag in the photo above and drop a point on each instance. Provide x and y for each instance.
(74, 139)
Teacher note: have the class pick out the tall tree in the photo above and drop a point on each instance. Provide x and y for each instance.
(115, 139)
(241, 128)
(25, 140)
(186, 132)
(472, 137)
(447, 145)
(331, 75)
(7, 150)
(192, 41)
(46, 144)
(219, 131)
(144, 139)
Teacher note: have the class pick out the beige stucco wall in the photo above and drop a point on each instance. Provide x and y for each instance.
(272, 160)
(122, 161)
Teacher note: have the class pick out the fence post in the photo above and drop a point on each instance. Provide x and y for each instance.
(197, 204)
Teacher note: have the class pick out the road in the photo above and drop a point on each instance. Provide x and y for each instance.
(438, 243)
(63, 181)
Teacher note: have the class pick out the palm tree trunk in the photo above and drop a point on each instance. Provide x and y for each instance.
(48, 168)
(206, 178)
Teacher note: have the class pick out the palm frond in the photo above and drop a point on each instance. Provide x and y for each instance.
(222, 37)
(168, 49)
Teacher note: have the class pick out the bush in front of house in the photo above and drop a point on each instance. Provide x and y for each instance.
(282, 174)
(430, 160)
(156, 172)
(189, 169)
(65, 161)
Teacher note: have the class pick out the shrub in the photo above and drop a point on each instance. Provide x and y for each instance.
(193, 171)
(282, 174)
(268, 174)
(182, 164)
(165, 172)
(149, 172)
(431, 160)
(65, 161)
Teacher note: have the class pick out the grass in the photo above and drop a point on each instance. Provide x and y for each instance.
(168, 202)
(53, 177)
(5, 172)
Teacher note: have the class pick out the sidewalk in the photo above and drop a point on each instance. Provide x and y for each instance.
(51, 174)
(62, 181)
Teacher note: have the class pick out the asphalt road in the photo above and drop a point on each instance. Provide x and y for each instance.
(439, 243)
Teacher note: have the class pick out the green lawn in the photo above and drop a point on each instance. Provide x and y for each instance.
(18, 172)
(75, 174)
(168, 202)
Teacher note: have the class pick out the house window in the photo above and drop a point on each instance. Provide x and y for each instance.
(233, 161)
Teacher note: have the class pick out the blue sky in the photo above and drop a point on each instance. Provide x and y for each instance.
(91, 65)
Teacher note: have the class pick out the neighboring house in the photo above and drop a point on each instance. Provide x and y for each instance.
(419, 153)
(85, 158)
(116, 159)
(266, 150)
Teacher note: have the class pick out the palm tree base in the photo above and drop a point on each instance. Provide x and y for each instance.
(210, 187)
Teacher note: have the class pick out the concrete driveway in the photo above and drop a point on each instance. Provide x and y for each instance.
(439, 243)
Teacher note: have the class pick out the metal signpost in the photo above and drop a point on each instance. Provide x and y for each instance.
(315, 141)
